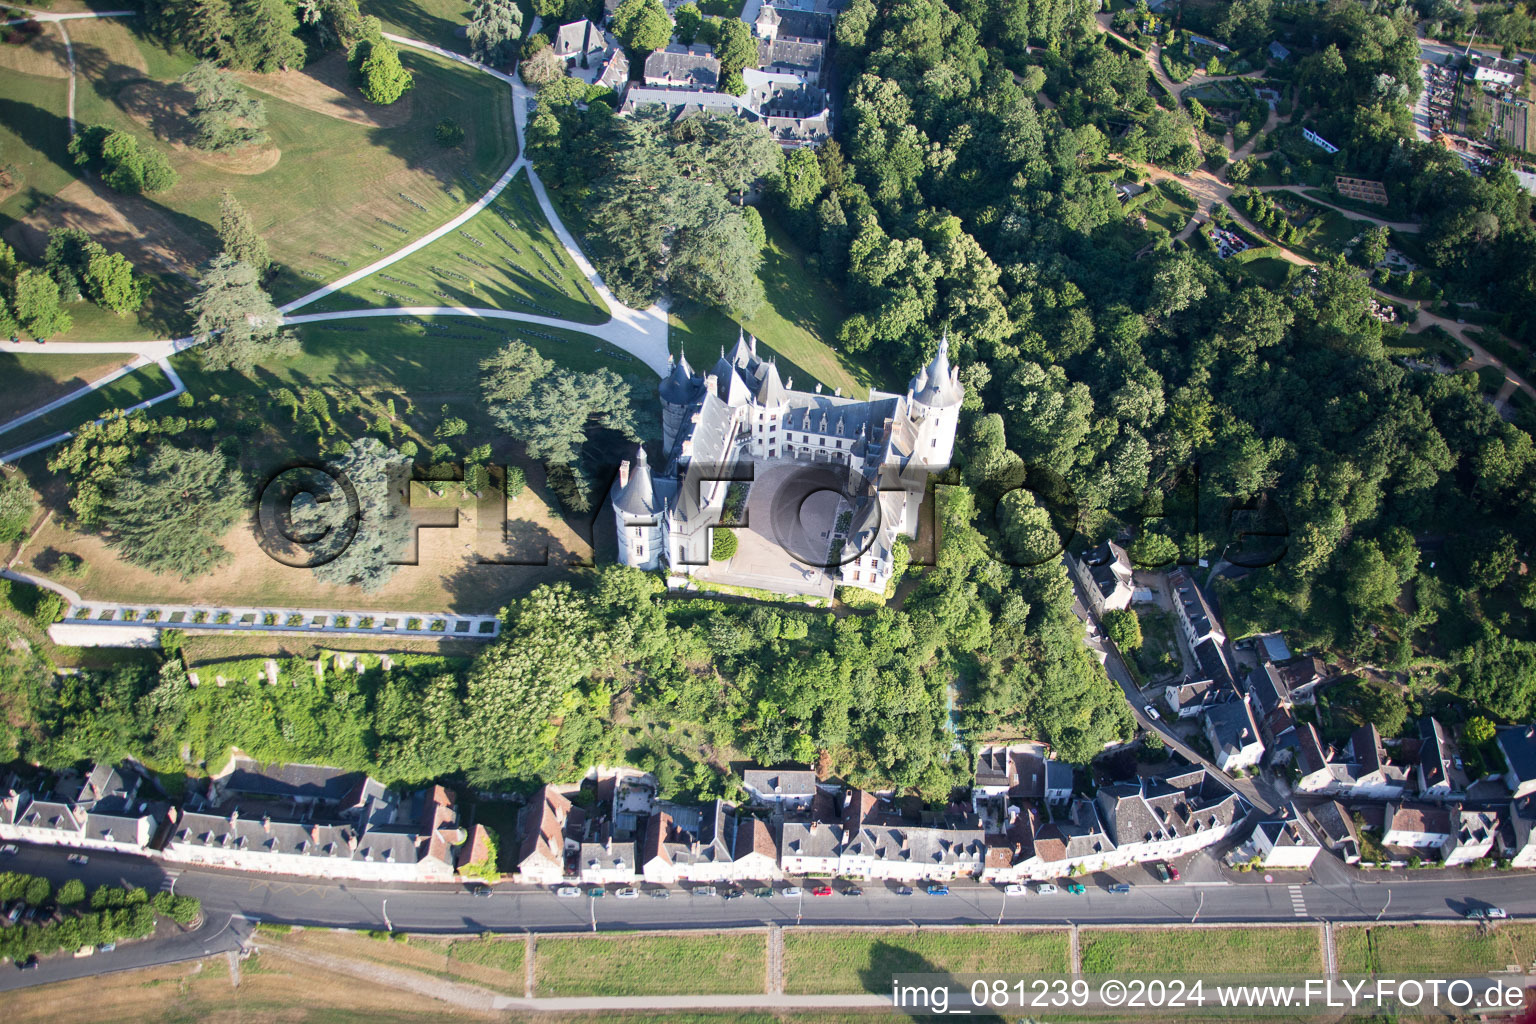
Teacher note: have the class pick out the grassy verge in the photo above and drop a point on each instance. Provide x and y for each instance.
(129, 390)
(634, 965)
(1439, 948)
(864, 961)
(798, 324)
(35, 380)
(1164, 951)
(34, 137)
(506, 257)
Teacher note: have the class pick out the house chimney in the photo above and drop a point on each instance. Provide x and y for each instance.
(352, 843)
(608, 845)
(234, 815)
(266, 824)
(314, 833)
(624, 473)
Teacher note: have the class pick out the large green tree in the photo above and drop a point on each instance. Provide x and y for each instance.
(642, 25)
(385, 79)
(495, 26)
(234, 319)
(171, 512)
(369, 539)
(224, 116)
(36, 301)
(238, 235)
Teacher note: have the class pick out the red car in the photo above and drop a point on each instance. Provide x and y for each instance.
(1173, 872)
(822, 890)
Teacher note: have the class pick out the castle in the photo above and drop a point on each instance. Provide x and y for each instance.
(741, 419)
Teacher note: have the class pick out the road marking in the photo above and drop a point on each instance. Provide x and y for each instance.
(1298, 901)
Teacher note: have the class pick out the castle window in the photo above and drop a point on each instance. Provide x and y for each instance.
(640, 551)
(855, 576)
(772, 452)
(839, 446)
(934, 443)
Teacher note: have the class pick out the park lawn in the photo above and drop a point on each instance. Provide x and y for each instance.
(645, 964)
(1260, 950)
(1168, 213)
(1158, 656)
(34, 136)
(1326, 233)
(1434, 948)
(828, 961)
(441, 22)
(36, 379)
(505, 257)
(1270, 271)
(129, 390)
(798, 324)
(1431, 343)
(495, 963)
(349, 184)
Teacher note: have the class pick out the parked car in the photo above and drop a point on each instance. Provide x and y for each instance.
(822, 890)
(29, 964)
(1173, 872)
(1119, 888)
(1152, 713)
(597, 892)
(79, 858)
(17, 909)
(793, 890)
(660, 894)
(905, 890)
(1045, 889)
(1161, 870)
(853, 890)
(1014, 889)
(627, 893)
(762, 892)
(732, 894)
(938, 890)
(1487, 914)
(705, 890)
(569, 892)
(109, 947)
(9, 850)
(1076, 888)
(481, 892)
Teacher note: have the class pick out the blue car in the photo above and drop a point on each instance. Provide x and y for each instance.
(1120, 888)
(938, 890)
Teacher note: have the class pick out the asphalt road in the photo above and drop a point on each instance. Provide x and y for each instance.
(233, 902)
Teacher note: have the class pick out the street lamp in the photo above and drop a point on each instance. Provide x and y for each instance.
(1385, 905)
(1198, 906)
(385, 911)
(1000, 913)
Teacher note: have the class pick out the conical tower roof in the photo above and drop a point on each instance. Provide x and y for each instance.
(937, 385)
(638, 495)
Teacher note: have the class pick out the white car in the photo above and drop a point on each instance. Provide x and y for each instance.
(627, 894)
(1152, 713)
(794, 890)
(9, 850)
(79, 858)
(1013, 889)
(569, 892)
(1045, 888)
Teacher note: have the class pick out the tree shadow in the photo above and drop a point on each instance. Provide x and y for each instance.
(912, 979)
(419, 23)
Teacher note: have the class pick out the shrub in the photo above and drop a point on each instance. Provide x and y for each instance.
(448, 133)
(221, 618)
(48, 610)
(723, 546)
(1124, 628)
(438, 625)
(412, 625)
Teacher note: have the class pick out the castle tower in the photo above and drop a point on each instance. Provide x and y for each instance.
(936, 395)
(637, 514)
(679, 389)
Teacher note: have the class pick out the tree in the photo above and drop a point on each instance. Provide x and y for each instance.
(239, 236)
(385, 79)
(643, 25)
(723, 545)
(365, 541)
(542, 67)
(688, 19)
(549, 408)
(224, 116)
(736, 50)
(36, 302)
(1123, 627)
(1373, 245)
(70, 893)
(17, 507)
(170, 514)
(1479, 731)
(234, 319)
(264, 36)
(110, 282)
(800, 182)
(495, 26)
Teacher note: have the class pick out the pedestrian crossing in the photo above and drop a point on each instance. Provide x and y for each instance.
(1298, 901)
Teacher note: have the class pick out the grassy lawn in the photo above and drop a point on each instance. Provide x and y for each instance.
(364, 371)
(488, 961)
(506, 257)
(34, 380)
(635, 965)
(441, 22)
(1440, 948)
(822, 961)
(1325, 233)
(1158, 654)
(1431, 343)
(798, 323)
(145, 382)
(350, 181)
(1266, 950)
(33, 138)
(1270, 271)
(1167, 212)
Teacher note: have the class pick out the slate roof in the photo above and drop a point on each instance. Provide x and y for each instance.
(291, 781)
(1518, 744)
(1288, 834)
(577, 37)
(49, 814)
(783, 782)
(1213, 664)
(1102, 563)
(1310, 754)
(1228, 722)
(637, 495)
(1267, 686)
(1434, 752)
(801, 57)
(1192, 602)
(681, 68)
(1058, 776)
(811, 839)
(1078, 834)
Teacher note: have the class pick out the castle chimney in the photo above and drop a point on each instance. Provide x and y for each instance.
(624, 473)
(314, 833)
(234, 815)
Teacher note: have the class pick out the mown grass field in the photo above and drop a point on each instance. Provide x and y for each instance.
(505, 257)
(798, 323)
(34, 380)
(823, 961)
(126, 391)
(1165, 951)
(350, 181)
(1438, 949)
(490, 961)
(635, 965)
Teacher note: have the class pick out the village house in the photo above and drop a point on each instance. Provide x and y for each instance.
(1234, 735)
(1105, 575)
(1420, 827)
(1157, 818)
(111, 810)
(541, 857)
(1191, 698)
(1285, 843)
(1334, 826)
(1517, 746)
(1193, 612)
(1517, 834)
(1362, 771)
(791, 789)
(683, 67)
(1473, 837)
(1435, 757)
(1074, 842)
